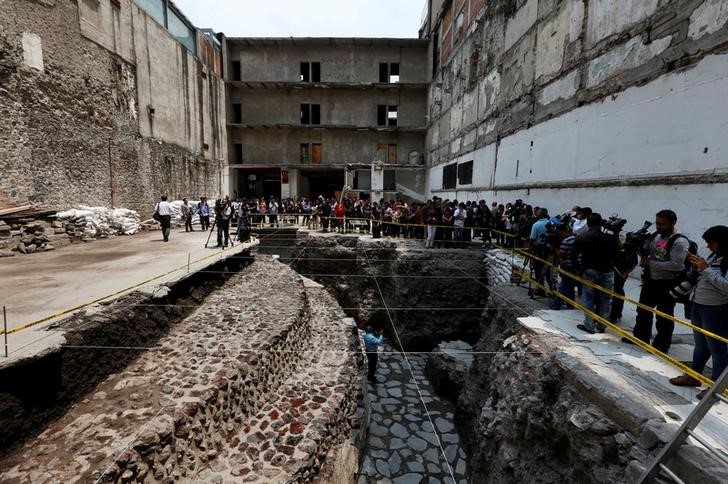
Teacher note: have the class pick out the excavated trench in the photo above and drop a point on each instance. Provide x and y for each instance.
(527, 407)
(254, 373)
(37, 390)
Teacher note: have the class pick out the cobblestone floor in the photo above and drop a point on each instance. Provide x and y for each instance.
(402, 446)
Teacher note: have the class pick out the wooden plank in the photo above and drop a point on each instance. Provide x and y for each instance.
(21, 208)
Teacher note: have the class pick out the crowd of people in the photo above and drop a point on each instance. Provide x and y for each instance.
(579, 242)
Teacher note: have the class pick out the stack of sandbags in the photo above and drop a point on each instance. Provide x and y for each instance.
(90, 223)
(177, 207)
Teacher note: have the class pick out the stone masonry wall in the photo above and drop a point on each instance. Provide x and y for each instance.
(355, 269)
(69, 124)
(529, 410)
(253, 388)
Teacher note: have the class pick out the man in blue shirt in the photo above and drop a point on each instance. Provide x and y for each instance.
(538, 248)
(372, 341)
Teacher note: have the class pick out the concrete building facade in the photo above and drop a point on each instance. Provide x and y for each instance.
(615, 105)
(108, 102)
(300, 110)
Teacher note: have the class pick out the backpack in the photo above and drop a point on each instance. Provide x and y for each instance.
(692, 249)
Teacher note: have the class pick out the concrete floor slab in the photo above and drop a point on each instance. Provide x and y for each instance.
(40, 285)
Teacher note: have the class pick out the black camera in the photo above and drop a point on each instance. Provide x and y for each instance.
(614, 224)
(638, 242)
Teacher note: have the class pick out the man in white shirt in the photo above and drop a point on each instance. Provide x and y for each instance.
(165, 211)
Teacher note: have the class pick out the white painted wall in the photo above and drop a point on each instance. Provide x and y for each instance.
(662, 128)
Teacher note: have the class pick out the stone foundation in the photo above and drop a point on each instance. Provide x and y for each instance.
(260, 382)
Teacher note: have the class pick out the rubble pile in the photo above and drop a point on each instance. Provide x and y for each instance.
(90, 223)
(29, 235)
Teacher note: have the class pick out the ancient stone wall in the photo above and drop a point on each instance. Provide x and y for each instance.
(418, 286)
(528, 408)
(243, 389)
(71, 125)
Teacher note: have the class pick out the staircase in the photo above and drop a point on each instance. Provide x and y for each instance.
(280, 241)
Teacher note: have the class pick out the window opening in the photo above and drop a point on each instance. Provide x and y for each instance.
(236, 71)
(465, 173)
(390, 180)
(389, 72)
(310, 72)
(449, 176)
(237, 113)
(310, 114)
(316, 153)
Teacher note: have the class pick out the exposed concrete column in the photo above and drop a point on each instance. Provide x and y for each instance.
(293, 190)
(377, 181)
(286, 189)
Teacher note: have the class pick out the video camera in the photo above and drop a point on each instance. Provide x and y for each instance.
(614, 224)
(554, 225)
(637, 242)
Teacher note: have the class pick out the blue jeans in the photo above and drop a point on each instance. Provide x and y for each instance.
(595, 300)
(715, 320)
(567, 287)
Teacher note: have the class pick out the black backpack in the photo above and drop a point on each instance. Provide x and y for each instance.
(692, 249)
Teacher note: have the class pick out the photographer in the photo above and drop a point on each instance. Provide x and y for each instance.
(598, 250)
(223, 212)
(662, 263)
(563, 246)
(709, 308)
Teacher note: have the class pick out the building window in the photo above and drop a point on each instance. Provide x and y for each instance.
(182, 31)
(236, 74)
(238, 153)
(450, 176)
(389, 72)
(310, 114)
(310, 72)
(237, 113)
(387, 153)
(465, 173)
(311, 153)
(390, 181)
(316, 153)
(386, 115)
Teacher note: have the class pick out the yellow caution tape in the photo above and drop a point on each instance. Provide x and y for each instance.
(650, 349)
(623, 298)
(81, 306)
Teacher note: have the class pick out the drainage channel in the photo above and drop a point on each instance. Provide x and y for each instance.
(410, 294)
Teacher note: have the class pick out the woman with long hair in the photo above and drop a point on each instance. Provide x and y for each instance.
(709, 307)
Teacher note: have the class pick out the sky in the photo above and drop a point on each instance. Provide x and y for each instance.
(306, 18)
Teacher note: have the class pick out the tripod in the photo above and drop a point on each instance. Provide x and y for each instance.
(214, 222)
(210, 234)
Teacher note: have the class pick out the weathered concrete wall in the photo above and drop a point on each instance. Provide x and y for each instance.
(341, 59)
(283, 146)
(270, 94)
(338, 107)
(550, 95)
(77, 83)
